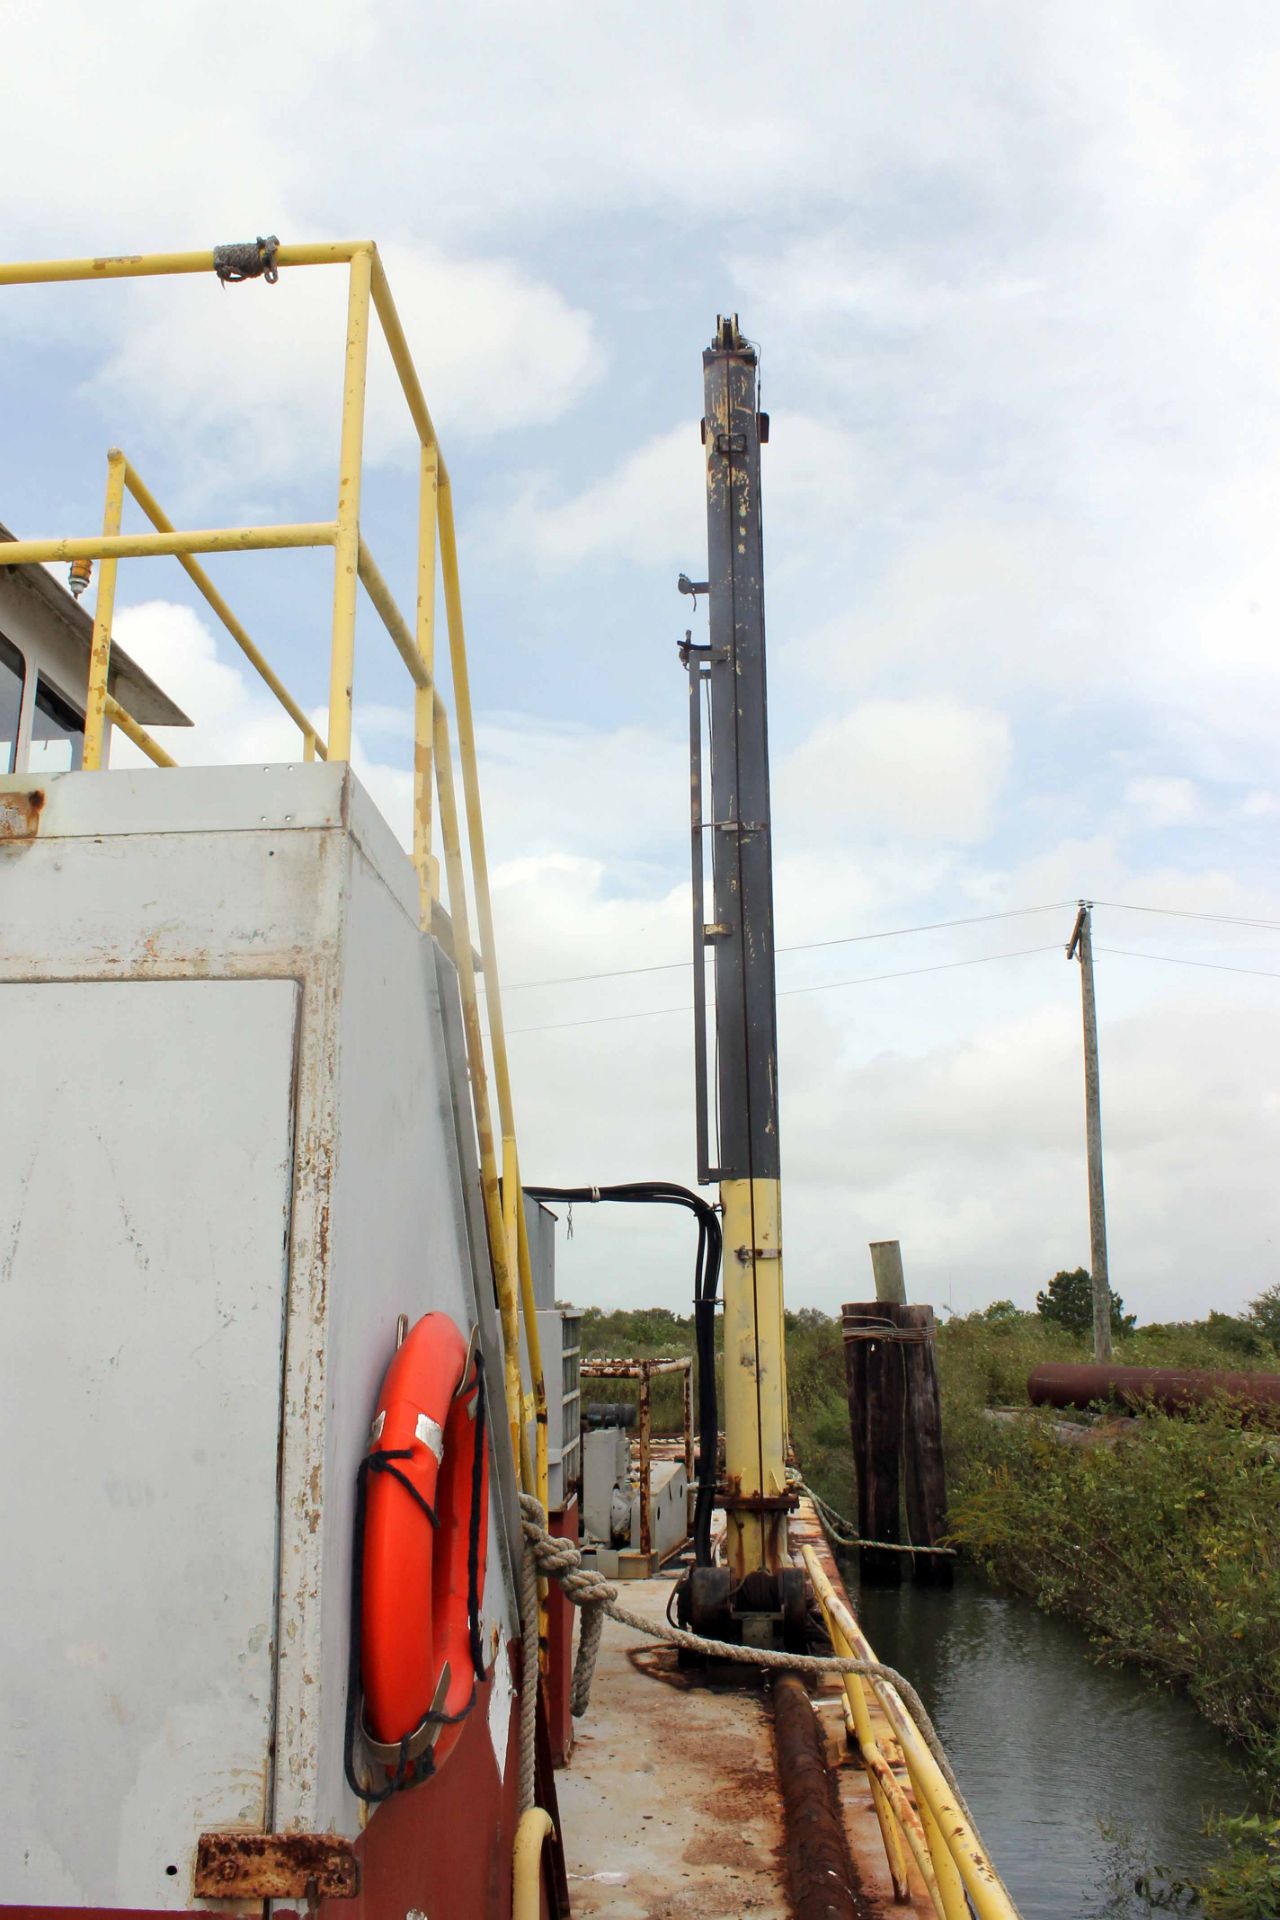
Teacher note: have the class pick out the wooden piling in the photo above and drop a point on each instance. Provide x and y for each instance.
(874, 1378)
(925, 1471)
(895, 1422)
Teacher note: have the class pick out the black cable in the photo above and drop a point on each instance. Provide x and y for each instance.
(705, 1282)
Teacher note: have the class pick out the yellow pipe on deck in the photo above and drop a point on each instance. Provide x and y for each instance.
(535, 1828)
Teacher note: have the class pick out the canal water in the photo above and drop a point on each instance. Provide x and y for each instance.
(1082, 1778)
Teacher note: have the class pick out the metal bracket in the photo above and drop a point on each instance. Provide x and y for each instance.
(275, 1866)
(728, 443)
(748, 1254)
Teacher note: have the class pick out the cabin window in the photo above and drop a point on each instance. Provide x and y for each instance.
(57, 732)
(13, 674)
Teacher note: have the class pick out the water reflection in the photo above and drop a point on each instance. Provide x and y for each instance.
(1081, 1777)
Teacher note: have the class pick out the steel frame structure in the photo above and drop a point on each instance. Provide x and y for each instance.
(368, 291)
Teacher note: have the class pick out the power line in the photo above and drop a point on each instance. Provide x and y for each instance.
(1175, 960)
(891, 933)
(1185, 913)
(861, 980)
(803, 946)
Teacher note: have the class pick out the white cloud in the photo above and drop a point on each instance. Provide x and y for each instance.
(1163, 800)
(249, 380)
(920, 769)
(651, 507)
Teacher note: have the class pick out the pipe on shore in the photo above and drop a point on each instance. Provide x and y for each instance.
(1172, 1389)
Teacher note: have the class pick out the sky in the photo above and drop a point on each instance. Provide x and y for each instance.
(1012, 271)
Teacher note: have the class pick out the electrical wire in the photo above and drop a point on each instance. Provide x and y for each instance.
(1175, 960)
(802, 946)
(826, 986)
(897, 933)
(1186, 913)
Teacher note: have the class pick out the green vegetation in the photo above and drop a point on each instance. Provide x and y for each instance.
(1164, 1543)
(1068, 1302)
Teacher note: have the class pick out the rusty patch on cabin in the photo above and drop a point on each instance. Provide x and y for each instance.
(275, 1866)
(20, 814)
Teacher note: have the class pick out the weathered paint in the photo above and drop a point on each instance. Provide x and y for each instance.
(274, 877)
(140, 1415)
(275, 1866)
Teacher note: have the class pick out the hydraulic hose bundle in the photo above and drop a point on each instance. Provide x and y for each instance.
(706, 1279)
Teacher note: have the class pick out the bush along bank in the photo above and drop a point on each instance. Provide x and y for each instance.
(1164, 1544)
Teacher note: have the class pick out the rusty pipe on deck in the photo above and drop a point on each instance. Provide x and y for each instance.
(818, 1866)
(1172, 1389)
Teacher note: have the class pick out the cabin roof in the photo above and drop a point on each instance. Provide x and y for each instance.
(136, 691)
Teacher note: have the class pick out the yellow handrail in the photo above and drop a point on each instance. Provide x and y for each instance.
(311, 741)
(368, 290)
(958, 1857)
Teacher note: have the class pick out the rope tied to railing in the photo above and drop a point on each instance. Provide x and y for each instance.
(247, 260)
(842, 1529)
(561, 1560)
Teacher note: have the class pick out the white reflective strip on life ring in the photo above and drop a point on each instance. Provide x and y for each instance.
(431, 1434)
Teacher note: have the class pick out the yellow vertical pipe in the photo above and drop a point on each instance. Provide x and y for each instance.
(424, 699)
(754, 1389)
(480, 877)
(95, 706)
(346, 546)
(524, 1267)
(503, 1278)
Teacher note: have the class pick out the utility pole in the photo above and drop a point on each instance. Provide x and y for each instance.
(1081, 947)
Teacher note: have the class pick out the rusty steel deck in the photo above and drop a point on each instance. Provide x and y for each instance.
(671, 1807)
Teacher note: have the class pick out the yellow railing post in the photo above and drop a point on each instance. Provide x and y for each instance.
(484, 905)
(95, 712)
(524, 1268)
(961, 1864)
(195, 572)
(503, 1277)
(367, 288)
(423, 703)
(346, 546)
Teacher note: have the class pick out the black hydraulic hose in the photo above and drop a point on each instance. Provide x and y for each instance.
(705, 1283)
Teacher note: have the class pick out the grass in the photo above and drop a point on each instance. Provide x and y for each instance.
(1164, 1547)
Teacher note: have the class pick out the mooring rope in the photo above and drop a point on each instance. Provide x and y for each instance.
(561, 1560)
(845, 1534)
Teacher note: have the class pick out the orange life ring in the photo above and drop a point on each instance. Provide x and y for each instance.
(420, 1651)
